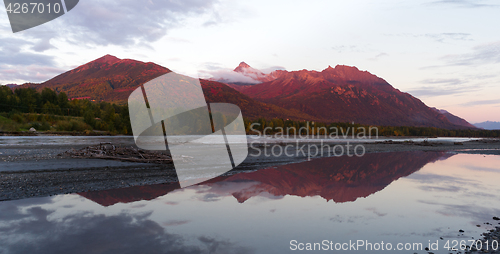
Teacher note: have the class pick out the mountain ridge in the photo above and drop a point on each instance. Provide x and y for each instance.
(337, 179)
(346, 94)
(111, 79)
(340, 94)
(488, 125)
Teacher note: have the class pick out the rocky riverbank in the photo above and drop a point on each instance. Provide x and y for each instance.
(489, 243)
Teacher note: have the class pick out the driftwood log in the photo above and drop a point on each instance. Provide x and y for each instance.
(121, 153)
(413, 143)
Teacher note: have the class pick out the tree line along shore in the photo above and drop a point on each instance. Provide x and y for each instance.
(50, 112)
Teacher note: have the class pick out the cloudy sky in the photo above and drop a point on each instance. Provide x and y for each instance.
(445, 52)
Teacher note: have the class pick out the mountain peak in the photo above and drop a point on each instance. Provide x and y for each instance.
(109, 59)
(342, 69)
(346, 67)
(107, 78)
(243, 64)
(241, 67)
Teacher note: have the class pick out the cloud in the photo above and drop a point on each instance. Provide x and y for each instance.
(175, 223)
(117, 22)
(18, 64)
(227, 12)
(22, 58)
(91, 23)
(442, 37)
(211, 197)
(215, 19)
(486, 54)
(431, 91)
(459, 186)
(272, 68)
(379, 56)
(464, 3)
(480, 102)
(438, 37)
(33, 73)
(35, 231)
(442, 180)
(43, 45)
(229, 76)
(469, 211)
(449, 86)
(443, 81)
(240, 190)
(346, 48)
(376, 212)
(214, 71)
(12, 52)
(434, 189)
(11, 210)
(126, 22)
(482, 54)
(212, 66)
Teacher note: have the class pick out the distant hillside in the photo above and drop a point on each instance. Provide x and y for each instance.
(455, 119)
(488, 125)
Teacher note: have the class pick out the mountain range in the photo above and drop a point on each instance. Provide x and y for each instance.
(488, 125)
(341, 179)
(112, 79)
(339, 94)
(343, 94)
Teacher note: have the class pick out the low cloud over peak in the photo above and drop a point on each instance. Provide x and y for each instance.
(243, 73)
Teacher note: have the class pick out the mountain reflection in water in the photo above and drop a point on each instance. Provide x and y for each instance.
(404, 197)
(341, 179)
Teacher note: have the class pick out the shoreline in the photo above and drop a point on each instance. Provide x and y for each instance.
(54, 133)
(44, 170)
(271, 135)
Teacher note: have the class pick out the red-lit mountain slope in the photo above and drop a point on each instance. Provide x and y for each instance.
(105, 79)
(455, 119)
(346, 94)
(112, 79)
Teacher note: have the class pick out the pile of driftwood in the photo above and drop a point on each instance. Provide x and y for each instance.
(121, 153)
(412, 143)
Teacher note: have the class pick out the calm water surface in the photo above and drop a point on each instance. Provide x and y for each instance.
(405, 197)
